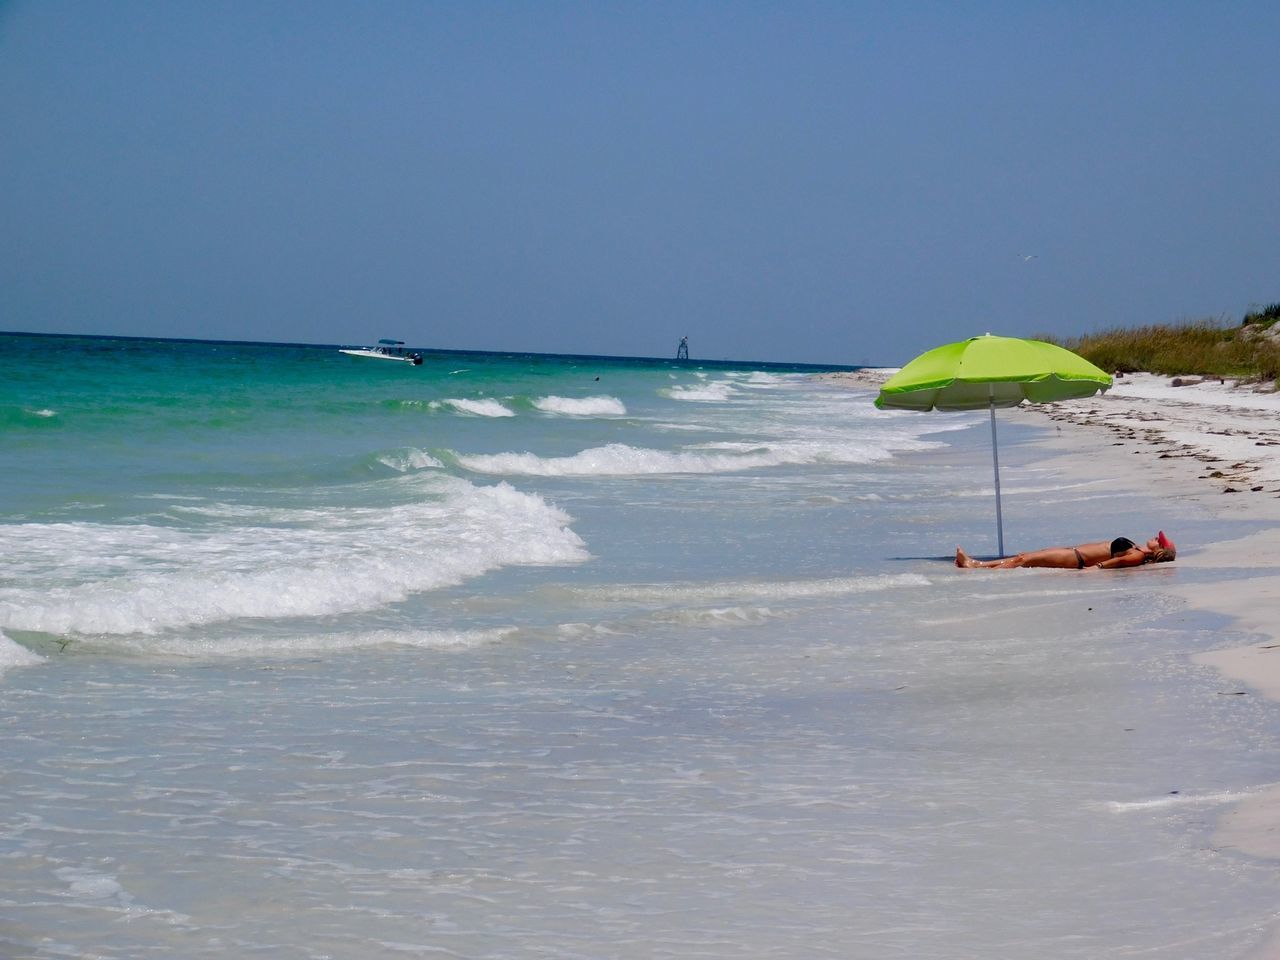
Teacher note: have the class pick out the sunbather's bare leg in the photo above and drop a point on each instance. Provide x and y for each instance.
(1061, 558)
(964, 560)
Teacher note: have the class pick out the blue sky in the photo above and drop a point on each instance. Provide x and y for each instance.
(822, 182)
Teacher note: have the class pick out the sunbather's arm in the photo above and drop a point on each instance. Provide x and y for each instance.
(1132, 557)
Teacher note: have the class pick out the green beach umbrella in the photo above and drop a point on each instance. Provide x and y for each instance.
(988, 372)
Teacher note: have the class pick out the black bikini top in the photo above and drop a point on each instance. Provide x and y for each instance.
(1120, 544)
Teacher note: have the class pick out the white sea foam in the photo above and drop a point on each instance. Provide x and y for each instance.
(410, 459)
(1192, 800)
(685, 614)
(44, 412)
(573, 631)
(620, 460)
(213, 647)
(15, 655)
(715, 391)
(91, 578)
(1037, 490)
(476, 408)
(759, 378)
(680, 427)
(719, 616)
(746, 590)
(91, 885)
(582, 406)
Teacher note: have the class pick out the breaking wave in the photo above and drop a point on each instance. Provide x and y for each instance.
(475, 408)
(716, 391)
(582, 407)
(15, 655)
(131, 578)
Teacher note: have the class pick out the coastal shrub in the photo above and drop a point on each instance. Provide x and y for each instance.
(1269, 362)
(1266, 316)
(1199, 348)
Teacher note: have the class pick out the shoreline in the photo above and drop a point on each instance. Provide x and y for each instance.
(1214, 447)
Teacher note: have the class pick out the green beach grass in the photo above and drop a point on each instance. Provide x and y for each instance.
(1247, 351)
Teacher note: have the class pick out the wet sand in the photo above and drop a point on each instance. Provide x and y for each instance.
(1213, 446)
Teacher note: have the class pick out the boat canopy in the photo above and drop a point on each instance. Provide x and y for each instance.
(392, 343)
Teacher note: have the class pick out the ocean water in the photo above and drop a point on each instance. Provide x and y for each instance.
(307, 656)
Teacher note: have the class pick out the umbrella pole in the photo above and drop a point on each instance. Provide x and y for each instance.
(995, 462)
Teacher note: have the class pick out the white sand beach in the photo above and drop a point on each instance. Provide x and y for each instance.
(1215, 444)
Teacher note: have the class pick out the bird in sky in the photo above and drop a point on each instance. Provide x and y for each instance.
(1029, 256)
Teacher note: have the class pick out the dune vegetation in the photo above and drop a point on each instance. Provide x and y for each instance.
(1249, 350)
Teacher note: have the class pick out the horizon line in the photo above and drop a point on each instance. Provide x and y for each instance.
(443, 351)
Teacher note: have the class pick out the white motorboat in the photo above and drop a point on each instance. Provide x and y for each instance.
(385, 350)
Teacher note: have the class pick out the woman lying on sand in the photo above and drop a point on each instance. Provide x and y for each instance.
(1120, 552)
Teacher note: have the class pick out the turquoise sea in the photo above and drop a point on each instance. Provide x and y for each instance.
(524, 656)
